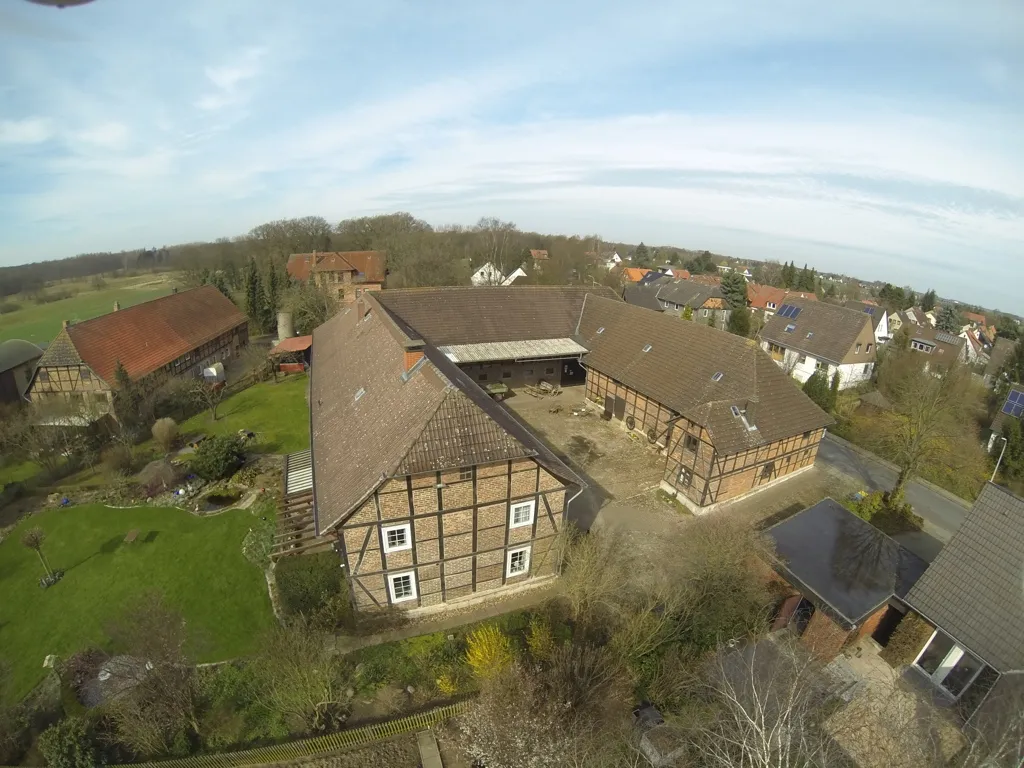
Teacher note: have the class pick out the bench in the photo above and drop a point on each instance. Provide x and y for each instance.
(132, 536)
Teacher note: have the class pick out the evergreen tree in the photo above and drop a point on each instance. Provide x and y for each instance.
(711, 320)
(218, 281)
(127, 401)
(1013, 456)
(641, 256)
(805, 282)
(948, 320)
(834, 390)
(928, 300)
(830, 292)
(734, 287)
(274, 289)
(255, 298)
(739, 322)
(817, 388)
(687, 313)
(910, 298)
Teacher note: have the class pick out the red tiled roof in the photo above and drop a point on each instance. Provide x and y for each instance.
(148, 336)
(538, 254)
(706, 279)
(760, 296)
(294, 344)
(974, 317)
(681, 274)
(634, 274)
(370, 264)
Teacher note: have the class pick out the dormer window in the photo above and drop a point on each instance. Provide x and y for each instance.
(735, 411)
(600, 330)
(647, 348)
(359, 393)
(718, 376)
(790, 328)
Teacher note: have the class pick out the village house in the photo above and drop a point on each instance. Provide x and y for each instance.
(488, 274)
(345, 274)
(1012, 408)
(434, 492)
(971, 595)
(17, 362)
(665, 294)
(879, 318)
(174, 336)
(943, 349)
(1001, 351)
(843, 579)
(807, 336)
(766, 299)
(634, 274)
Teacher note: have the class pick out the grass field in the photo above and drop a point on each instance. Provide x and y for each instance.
(276, 412)
(41, 322)
(196, 563)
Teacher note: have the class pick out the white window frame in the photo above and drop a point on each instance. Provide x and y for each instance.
(685, 477)
(407, 527)
(412, 583)
(531, 503)
(508, 562)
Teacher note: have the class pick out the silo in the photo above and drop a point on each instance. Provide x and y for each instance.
(285, 327)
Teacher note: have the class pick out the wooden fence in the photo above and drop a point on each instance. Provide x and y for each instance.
(316, 746)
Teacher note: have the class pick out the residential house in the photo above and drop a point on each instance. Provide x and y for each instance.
(1012, 408)
(843, 579)
(675, 272)
(634, 274)
(998, 357)
(489, 274)
(943, 348)
(539, 257)
(975, 319)
(913, 316)
(807, 336)
(174, 336)
(766, 299)
(18, 360)
(435, 492)
(974, 349)
(431, 490)
(972, 596)
(706, 302)
(879, 318)
(346, 274)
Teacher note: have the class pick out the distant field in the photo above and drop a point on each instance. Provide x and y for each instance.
(41, 322)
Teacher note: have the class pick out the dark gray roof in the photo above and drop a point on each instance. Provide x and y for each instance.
(474, 315)
(372, 420)
(15, 352)
(824, 331)
(974, 590)
(678, 372)
(1001, 351)
(643, 295)
(1000, 417)
(873, 311)
(842, 563)
(687, 293)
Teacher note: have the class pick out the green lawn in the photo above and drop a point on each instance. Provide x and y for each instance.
(17, 473)
(41, 322)
(276, 412)
(196, 563)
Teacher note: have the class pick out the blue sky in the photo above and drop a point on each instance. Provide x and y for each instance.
(884, 139)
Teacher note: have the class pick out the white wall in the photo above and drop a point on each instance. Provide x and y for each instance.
(488, 274)
(850, 374)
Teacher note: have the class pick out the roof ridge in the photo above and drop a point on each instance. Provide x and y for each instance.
(172, 294)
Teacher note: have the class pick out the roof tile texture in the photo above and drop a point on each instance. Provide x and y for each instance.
(974, 589)
(834, 330)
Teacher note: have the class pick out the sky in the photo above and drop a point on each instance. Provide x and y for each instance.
(881, 139)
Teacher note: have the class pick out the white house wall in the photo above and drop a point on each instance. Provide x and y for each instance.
(850, 374)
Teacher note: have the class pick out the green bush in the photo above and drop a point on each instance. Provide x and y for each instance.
(818, 389)
(218, 457)
(309, 584)
(6, 307)
(68, 744)
(888, 514)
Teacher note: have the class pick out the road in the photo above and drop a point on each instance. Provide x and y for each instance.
(942, 514)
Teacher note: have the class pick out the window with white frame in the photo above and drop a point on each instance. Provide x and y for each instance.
(521, 513)
(397, 537)
(402, 586)
(466, 473)
(685, 477)
(517, 562)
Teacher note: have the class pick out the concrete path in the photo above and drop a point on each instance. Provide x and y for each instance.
(430, 756)
(942, 511)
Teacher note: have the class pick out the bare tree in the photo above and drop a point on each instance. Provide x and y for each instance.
(300, 678)
(311, 307)
(593, 571)
(157, 693)
(995, 732)
(499, 240)
(51, 434)
(208, 395)
(33, 539)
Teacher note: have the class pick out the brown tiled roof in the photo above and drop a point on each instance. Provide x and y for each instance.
(972, 590)
(706, 279)
(293, 344)
(947, 347)
(634, 274)
(475, 315)
(974, 317)
(371, 420)
(370, 265)
(678, 372)
(538, 254)
(687, 293)
(147, 336)
(1001, 351)
(822, 330)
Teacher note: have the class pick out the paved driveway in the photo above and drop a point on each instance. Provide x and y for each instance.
(943, 513)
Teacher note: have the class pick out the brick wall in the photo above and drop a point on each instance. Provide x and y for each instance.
(824, 637)
(516, 374)
(461, 539)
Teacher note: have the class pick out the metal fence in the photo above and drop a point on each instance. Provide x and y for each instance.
(317, 746)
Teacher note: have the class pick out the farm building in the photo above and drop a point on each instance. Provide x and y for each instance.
(346, 274)
(176, 335)
(433, 491)
(17, 361)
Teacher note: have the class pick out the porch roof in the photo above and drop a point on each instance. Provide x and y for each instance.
(512, 350)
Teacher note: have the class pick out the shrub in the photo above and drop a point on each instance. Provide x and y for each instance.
(68, 744)
(539, 638)
(907, 640)
(117, 459)
(817, 388)
(165, 432)
(307, 583)
(488, 651)
(218, 457)
(6, 307)
(446, 683)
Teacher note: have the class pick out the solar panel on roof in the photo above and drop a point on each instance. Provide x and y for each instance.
(785, 310)
(869, 310)
(1014, 405)
(946, 338)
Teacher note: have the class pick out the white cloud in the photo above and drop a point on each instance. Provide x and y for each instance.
(228, 79)
(109, 135)
(33, 130)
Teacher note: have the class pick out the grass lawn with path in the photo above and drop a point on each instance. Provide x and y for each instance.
(196, 563)
(275, 411)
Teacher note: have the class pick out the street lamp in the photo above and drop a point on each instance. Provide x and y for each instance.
(1000, 459)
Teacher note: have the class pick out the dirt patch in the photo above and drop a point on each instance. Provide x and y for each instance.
(787, 498)
(400, 752)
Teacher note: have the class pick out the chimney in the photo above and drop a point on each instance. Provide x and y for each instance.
(174, 289)
(413, 353)
(64, 323)
(117, 305)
